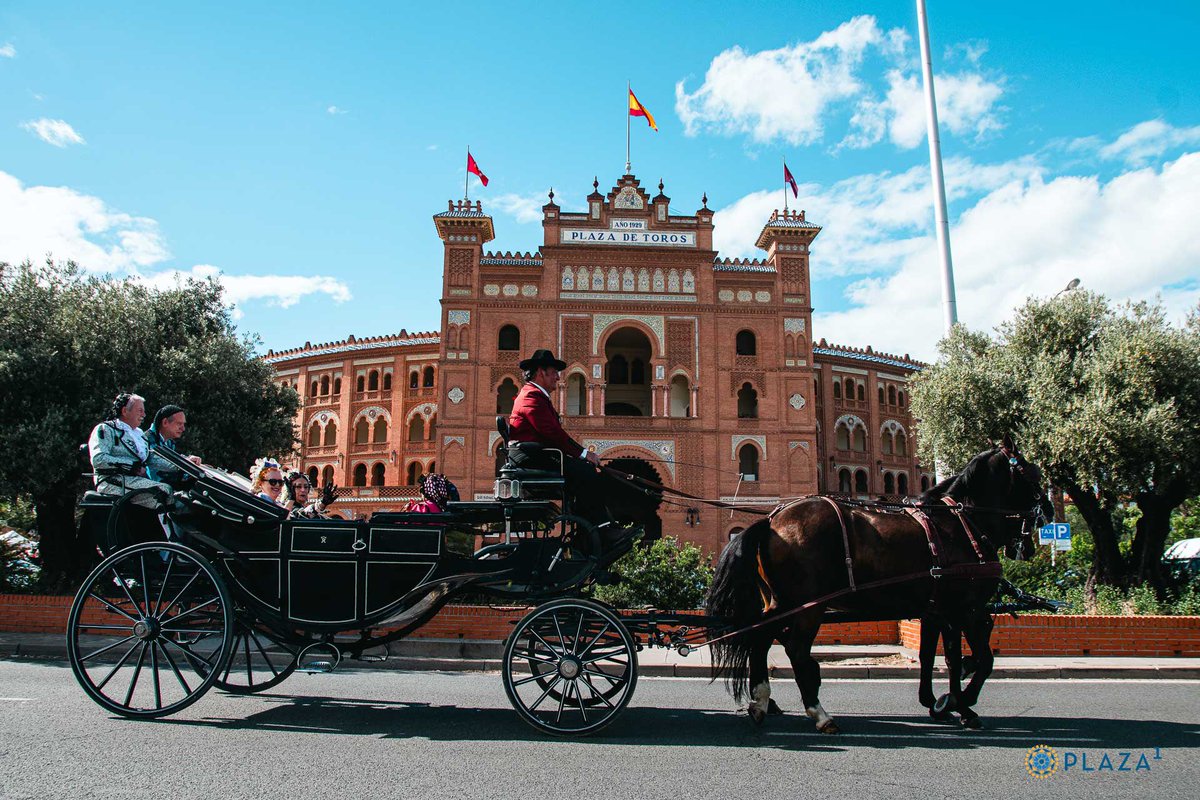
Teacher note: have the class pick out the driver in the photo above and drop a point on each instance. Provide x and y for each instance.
(118, 452)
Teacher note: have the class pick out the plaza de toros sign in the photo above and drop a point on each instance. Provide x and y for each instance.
(627, 232)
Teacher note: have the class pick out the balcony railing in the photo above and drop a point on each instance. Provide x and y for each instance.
(373, 394)
(380, 448)
(320, 451)
(421, 391)
(323, 400)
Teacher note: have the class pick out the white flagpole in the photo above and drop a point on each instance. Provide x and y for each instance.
(467, 178)
(785, 185)
(628, 91)
(949, 303)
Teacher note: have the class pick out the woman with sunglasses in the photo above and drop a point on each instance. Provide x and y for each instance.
(267, 481)
(298, 489)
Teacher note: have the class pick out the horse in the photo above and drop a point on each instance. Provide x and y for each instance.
(937, 561)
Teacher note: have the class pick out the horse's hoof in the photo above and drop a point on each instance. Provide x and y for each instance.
(973, 723)
(773, 708)
(756, 715)
(946, 703)
(829, 727)
(941, 716)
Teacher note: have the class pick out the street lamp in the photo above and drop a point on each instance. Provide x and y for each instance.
(1070, 287)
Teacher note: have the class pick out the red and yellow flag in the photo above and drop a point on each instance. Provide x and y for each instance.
(636, 109)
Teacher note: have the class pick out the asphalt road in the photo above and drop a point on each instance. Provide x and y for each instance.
(438, 735)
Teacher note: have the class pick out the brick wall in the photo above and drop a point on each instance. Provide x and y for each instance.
(1079, 635)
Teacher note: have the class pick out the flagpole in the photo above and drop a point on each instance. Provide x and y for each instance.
(467, 178)
(785, 185)
(628, 89)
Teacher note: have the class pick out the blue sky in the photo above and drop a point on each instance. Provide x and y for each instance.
(298, 151)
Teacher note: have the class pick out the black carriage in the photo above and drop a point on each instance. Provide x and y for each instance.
(220, 588)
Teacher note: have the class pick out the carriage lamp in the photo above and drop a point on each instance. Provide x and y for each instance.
(693, 517)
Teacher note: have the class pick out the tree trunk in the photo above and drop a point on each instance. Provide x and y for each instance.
(64, 557)
(1150, 538)
(1108, 565)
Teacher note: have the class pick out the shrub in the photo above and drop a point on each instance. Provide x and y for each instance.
(666, 574)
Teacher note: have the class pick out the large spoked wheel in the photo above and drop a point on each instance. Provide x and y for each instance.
(570, 667)
(258, 660)
(150, 630)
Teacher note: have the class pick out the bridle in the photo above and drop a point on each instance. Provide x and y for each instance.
(1035, 517)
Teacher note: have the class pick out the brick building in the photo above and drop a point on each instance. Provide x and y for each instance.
(690, 369)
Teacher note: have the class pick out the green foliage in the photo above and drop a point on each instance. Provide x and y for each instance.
(70, 342)
(1185, 522)
(666, 575)
(17, 512)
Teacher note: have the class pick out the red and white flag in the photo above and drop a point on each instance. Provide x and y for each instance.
(474, 169)
(787, 178)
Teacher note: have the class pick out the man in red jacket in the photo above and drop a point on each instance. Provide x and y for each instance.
(534, 419)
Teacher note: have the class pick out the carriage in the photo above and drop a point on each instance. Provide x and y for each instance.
(223, 589)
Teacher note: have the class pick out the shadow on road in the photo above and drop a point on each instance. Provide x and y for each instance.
(643, 726)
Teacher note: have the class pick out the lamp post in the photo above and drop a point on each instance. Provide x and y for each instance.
(1070, 287)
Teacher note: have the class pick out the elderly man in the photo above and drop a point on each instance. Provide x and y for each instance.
(169, 424)
(119, 454)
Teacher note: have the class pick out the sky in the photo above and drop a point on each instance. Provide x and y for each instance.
(297, 152)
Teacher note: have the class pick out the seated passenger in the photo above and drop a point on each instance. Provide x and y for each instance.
(267, 481)
(118, 452)
(437, 491)
(169, 424)
(297, 503)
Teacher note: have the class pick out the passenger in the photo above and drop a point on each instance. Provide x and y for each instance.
(169, 424)
(267, 481)
(437, 491)
(298, 489)
(118, 452)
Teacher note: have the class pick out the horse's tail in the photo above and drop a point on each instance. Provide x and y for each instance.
(737, 602)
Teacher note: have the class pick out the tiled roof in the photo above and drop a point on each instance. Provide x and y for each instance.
(511, 259)
(349, 347)
(457, 213)
(791, 222)
(875, 358)
(740, 265)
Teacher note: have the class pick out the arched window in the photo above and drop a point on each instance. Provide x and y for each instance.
(849, 388)
(843, 437)
(414, 378)
(924, 483)
(889, 483)
(427, 377)
(509, 338)
(681, 397)
(746, 343)
(886, 444)
(891, 395)
(387, 381)
(844, 481)
(748, 462)
(416, 428)
(337, 385)
(362, 431)
(618, 369)
(380, 433)
(860, 439)
(860, 481)
(900, 398)
(576, 395)
(881, 394)
(432, 467)
(312, 476)
(862, 392)
(377, 474)
(373, 381)
(314, 436)
(431, 431)
(361, 384)
(505, 395)
(902, 483)
(327, 475)
(324, 385)
(837, 390)
(360, 475)
(413, 474)
(901, 444)
(747, 402)
(637, 372)
(315, 387)
(331, 433)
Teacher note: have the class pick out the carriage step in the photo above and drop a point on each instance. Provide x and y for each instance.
(313, 659)
(316, 668)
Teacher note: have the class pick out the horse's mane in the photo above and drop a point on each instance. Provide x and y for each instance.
(962, 485)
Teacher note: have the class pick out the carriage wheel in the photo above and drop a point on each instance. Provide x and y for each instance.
(570, 667)
(150, 630)
(258, 660)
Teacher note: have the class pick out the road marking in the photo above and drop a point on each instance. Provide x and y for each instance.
(17, 699)
(957, 736)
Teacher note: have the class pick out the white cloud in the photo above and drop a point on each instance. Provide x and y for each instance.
(967, 105)
(335, 111)
(783, 93)
(37, 221)
(8, 51)
(523, 208)
(1147, 141)
(53, 131)
(1129, 238)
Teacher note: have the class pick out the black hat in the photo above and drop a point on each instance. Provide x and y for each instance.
(542, 358)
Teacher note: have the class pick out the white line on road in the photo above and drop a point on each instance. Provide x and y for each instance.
(17, 699)
(957, 737)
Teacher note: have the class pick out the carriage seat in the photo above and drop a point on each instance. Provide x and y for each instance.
(523, 483)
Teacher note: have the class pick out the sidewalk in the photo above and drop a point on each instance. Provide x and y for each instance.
(837, 661)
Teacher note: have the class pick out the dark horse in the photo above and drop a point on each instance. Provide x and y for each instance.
(780, 575)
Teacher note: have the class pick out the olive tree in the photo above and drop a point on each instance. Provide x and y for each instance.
(69, 342)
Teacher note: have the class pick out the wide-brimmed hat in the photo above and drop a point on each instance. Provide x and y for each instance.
(543, 358)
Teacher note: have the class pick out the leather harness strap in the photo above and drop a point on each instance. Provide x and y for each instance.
(845, 539)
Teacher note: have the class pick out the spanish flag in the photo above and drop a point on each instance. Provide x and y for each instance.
(636, 109)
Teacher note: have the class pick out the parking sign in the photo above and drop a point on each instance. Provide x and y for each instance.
(1062, 536)
(1046, 534)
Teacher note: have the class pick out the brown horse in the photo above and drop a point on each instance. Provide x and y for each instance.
(937, 562)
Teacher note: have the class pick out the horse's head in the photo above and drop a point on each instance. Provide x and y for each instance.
(1000, 479)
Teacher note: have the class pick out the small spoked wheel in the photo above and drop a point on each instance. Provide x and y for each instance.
(570, 667)
(150, 630)
(258, 660)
